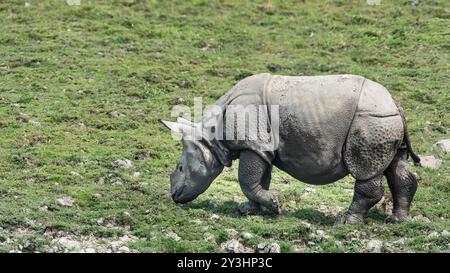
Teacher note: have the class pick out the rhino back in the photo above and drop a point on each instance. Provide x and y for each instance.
(315, 117)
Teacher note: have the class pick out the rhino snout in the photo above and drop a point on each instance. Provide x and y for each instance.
(177, 195)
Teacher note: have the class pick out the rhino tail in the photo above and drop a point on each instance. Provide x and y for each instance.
(406, 141)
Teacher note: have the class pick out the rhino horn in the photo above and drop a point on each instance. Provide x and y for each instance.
(187, 130)
(184, 121)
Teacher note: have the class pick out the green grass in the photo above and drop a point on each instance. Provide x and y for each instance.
(66, 65)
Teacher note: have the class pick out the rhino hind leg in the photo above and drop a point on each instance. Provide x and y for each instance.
(254, 179)
(403, 185)
(367, 193)
(371, 144)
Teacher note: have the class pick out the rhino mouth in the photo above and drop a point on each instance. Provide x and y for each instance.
(177, 195)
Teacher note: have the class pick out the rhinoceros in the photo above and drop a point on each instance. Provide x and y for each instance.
(326, 128)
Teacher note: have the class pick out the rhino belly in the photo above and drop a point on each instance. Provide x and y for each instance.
(315, 114)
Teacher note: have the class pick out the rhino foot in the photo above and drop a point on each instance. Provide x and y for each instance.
(272, 206)
(397, 218)
(351, 219)
(277, 202)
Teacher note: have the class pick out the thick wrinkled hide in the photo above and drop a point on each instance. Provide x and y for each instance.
(329, 126)
(317, 129)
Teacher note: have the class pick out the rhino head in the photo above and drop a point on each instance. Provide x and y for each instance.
(197, 167)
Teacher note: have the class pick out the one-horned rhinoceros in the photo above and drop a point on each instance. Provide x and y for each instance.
(322, 129)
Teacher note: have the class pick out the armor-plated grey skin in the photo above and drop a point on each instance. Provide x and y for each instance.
(329, 127)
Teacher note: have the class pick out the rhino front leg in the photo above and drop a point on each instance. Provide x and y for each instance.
(367, 193)
(254, 179)
(250, 207)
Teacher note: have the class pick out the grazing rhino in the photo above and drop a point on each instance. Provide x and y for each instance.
(327, 127)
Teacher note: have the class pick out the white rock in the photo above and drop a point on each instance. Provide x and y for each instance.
(234, 246)
(443, 145)
(246, 235)
(433, 235)
(24, 117)
(145, 155)
(73, 2)
(338, 244)
(430, 161)
(97, 195)
(114, 245)
(375, 246)
(65, 202)
(421, 218)
(136, 174)
(299, 245)
(174, 236)
(124, 249)
(35, 123)
(116, 114)
(445, 233)
(305, 224)
(399, 243)
(74, 173)
(125, 238)
(122, 164)
(320, 235)
(214, 217)
(307, 191)
(356, 235)
(268, 248)
(89, 250)
(330, 210)
(232, 233)
(101, 180)
(68, 243)
(208, 237)
(117, 183)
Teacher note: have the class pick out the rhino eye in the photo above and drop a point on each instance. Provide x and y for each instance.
(180, 168)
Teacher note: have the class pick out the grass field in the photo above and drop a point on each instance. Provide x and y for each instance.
(83, 86)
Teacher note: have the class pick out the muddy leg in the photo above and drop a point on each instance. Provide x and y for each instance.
(367, 194)
(254, 179)
(251, 207)
(403, 185)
